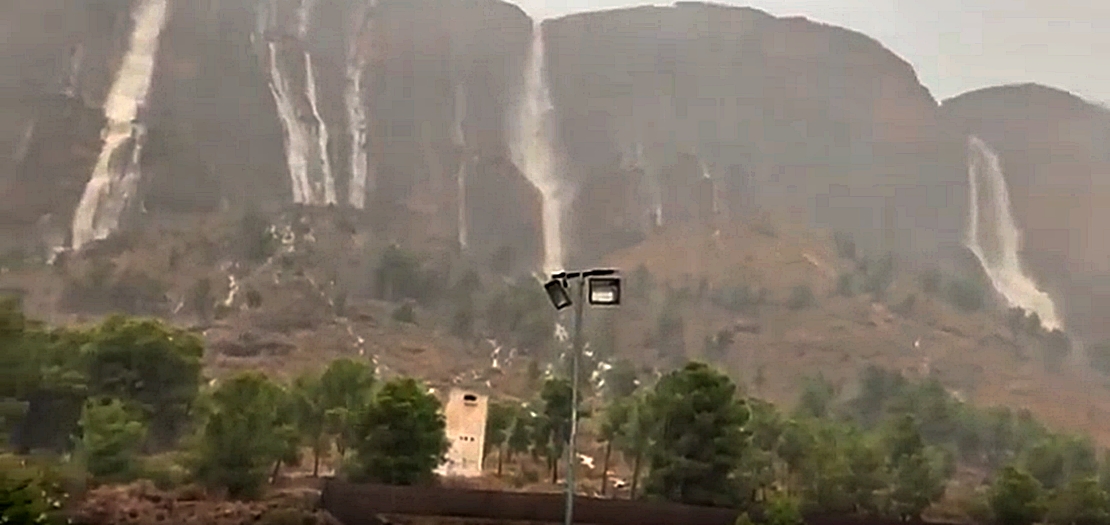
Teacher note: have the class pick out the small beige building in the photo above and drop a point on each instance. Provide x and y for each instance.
(466, 413)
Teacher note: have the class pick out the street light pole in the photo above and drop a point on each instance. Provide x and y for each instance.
(576, 352)
(605, 290)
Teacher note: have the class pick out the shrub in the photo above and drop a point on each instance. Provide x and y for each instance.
(1016, 498)
(905, 307)
(845, 246)
(1098, 355)
(966, 294)
(462, 322)
(254, 237)
(1057, 347)
(339, 303)
(27, 496)
(930, 281)
(879, 276)
(150, 366)
(670, 332)
(100, 290)
(254, 299)
(163, 470)
(401, 437)
(401, 275)
(405, 313)
(1080, 502)
(110, 439)
(739, 298)
(845, 285)
(783, 510)
(200, 298)
(247, 431)
(765, 228)
(801, 297)
(522, 312)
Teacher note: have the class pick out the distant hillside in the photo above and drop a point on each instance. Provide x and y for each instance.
(740, 295)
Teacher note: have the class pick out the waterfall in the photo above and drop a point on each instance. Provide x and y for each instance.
(295, 138)
(357, 121)
(459, 140)
(116, 175)
(707, 176)
(460, 179)
(304, 18)
(356, 127)
(532, 151)
(72, 88)
(24, 144)
(320, 130)
(655, 186)
(994, 238)
(305, 136)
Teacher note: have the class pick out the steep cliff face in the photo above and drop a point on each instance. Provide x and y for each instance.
(1053, 149)
(56, 64)
(356, 103)
(807, 115)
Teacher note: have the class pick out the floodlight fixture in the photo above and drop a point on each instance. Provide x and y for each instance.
(557, 291)
(605, 291)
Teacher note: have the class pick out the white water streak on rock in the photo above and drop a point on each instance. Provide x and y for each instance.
(115, 178)
(324, 183)
(994, 238)
(533, 155)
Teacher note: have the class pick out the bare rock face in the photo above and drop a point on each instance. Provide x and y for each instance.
(505, 213)
(786, 108)
(352, 103)
(213, 130)
(54, 75)
(620, 213)
(1053, 150)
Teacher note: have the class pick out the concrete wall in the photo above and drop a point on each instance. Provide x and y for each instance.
(466, 430)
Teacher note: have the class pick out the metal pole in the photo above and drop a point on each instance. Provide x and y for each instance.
(576, 351)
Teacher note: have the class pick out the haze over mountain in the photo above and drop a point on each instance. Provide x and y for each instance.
(788, 188)
(956, 46)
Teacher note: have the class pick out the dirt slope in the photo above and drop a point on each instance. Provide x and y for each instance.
(975, 355)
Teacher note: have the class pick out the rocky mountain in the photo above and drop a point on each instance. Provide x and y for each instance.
(376, 106)
(405, 116)
(784, 111)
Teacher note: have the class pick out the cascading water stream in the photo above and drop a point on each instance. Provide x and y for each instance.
(325, 182)
(357, 128)
(532, 151)
(459, 140)
(115, 178)
(993, 236)
(357, 121)
(305, 135)
(655, 186)
(708, 176)
(295, 138)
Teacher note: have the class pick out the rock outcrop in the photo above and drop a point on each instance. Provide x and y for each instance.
(55, 71)
(401, 111)
(803, 114)
(355, 103)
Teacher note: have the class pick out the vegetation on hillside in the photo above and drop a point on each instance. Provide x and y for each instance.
(108, 399)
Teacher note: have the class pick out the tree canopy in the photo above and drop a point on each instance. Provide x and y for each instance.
(700, 440)
(401, 436)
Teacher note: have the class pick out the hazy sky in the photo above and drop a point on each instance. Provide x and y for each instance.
(955, 45)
